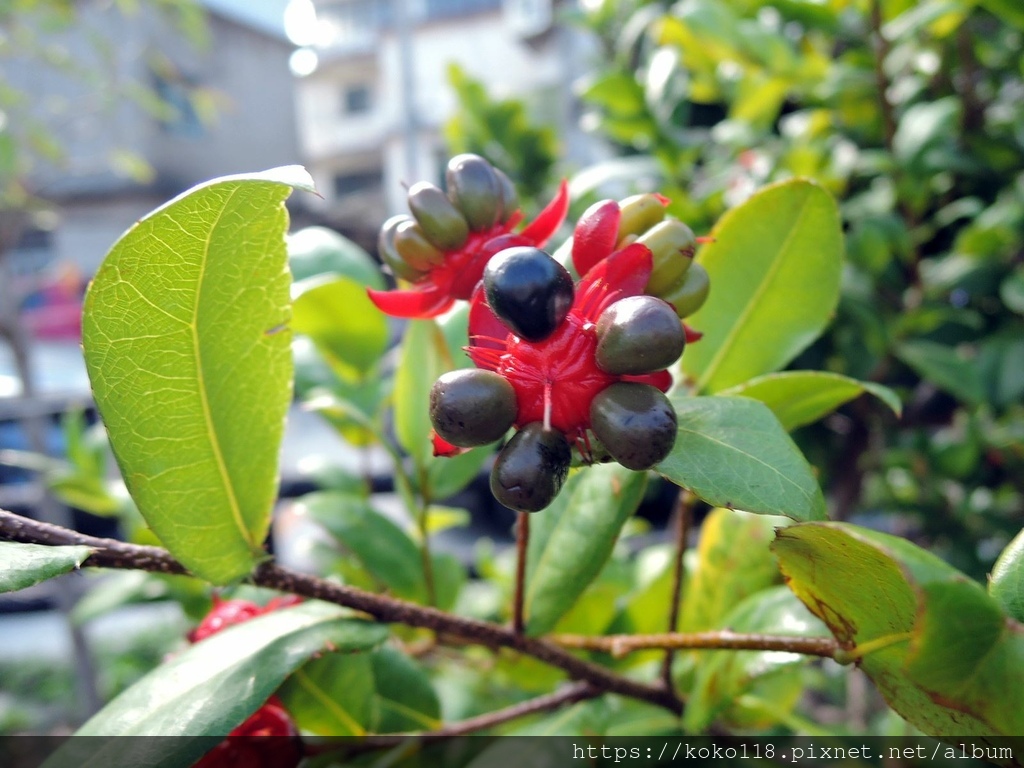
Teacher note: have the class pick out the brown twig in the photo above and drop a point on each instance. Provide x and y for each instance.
(579, 691)
(519, 594)
(109, 553)
(621, 645)
(682, 514)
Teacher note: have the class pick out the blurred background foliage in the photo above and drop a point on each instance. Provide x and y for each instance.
(912, 115)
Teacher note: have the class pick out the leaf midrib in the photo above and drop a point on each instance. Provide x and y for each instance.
(740, 323)
(218, 454)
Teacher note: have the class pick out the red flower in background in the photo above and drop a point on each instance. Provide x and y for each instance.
(240, 749)
(462, 268)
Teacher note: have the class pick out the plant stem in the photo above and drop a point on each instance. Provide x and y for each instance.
(428, 561)
(569, 695)
(682, 515)
(724, 639)
(522, 541)
(110, 553)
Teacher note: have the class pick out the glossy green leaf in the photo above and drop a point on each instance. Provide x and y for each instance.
(1006, 584)
(26, 564)
(802, 397)
(187, 345)
(733, 562)
(572, 539)
(732, 452)
(446, 476)
(423, 358)
(213, 686)
(315, 251)
(722, 677)
(938, 648)
(332, 695)
(348, 330)
(406, 700)
(945, 368)
(774, 268)
(381, 546)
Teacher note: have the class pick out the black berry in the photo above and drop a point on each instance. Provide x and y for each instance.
(635, 422)
(638, 334)
(472, 407)
(529, 291)
(531, 468)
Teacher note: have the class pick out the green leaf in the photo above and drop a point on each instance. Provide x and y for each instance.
(722, 678)
(28, 564)
(1011, 290)
(938, 648)
(802, 397)
(315, 251)
(572, 539)
(423, 358)
(186, 339)
(332, 695)
(406, 700)
(774, 268)
(381, 546)
(348, 330)
(945, 368)
(733, 562)
(1006, 584)
(213, 686)
(446, 476)
(732, 452)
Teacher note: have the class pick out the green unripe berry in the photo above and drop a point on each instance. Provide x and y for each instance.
(638, 334)
(472, 407)
(639, 213)
(531, 468)
(672, 246)
(389, 253)
(509, 196)
(691, 293)
(414, 248)
(635, 422)
(442, 223)
(475, 189)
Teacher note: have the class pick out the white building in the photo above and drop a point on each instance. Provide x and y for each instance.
(370, 114)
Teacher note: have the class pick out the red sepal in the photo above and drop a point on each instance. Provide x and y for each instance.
(485, 329)
(659, 379)
(692, 335)
(443, 448)
(425, 300)
(464, 280)
(550, 219)
(595, 235)
(624, 273)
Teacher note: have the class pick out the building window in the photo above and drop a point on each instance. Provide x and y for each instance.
(178, 113)
(355, 183)
(356, 99)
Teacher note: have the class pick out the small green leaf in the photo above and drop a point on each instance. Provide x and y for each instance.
(935, 644)
(186, 338)
(423, 358)
(733, 562)
(722, 678)
(732, 452)
(774, 268)
(571, 539)
(28, 564)
(315, 251)
(336, 313)
(332, 695)
(1006, 584)
(406, 700)
(802, 397)
(213, 686)
(945, 368)
(381, 546)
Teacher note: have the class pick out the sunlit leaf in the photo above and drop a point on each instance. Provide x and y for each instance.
(186, 340)
(28, 564)
(732, 452)
(774, 268)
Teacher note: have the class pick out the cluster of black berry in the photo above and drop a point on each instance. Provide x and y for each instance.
(569, 366)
